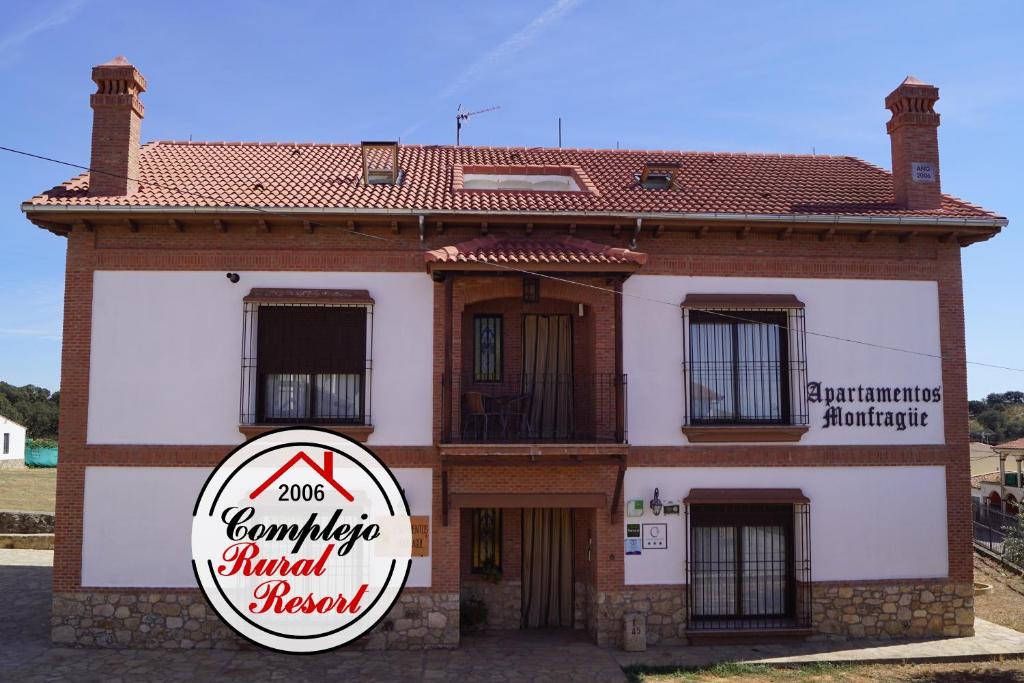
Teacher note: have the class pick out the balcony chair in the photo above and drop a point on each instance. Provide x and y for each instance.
(515, 420)
(480, 409)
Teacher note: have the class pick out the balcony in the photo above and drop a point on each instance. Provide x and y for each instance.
(532, 408)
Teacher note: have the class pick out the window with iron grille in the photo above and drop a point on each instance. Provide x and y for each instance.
(487, 352)
(748, 566)
(306, 363)
(746, 366)
(486, 540)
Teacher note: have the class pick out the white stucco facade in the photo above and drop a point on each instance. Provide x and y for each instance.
(866, 523)
(137, 525)
(12, 440)
(898, 314)
(165, 363)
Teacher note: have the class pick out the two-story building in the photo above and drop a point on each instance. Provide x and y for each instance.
(1003, 490)
(723, 391)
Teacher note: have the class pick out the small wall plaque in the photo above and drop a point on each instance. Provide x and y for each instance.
(634, 508)
(632, 531)
(670, 509)
(420, 535)
(922, 172)
(655, 536)
(633, 546)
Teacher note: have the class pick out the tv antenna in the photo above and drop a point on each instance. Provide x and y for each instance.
(461, 116)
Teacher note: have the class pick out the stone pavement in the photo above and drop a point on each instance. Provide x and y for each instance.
(513, 657)
(26, 653)
(25, 580)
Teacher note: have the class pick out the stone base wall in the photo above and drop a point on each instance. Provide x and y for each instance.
(431, 620)
(893, 610)
(663, 607)
(504, 601)
(580, 616)
(183, 621)
(418, 621)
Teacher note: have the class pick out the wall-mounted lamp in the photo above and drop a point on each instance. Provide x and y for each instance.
(656, 503)
(531, 290)
(233, 277)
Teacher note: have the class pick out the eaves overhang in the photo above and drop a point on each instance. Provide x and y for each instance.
(983, 227)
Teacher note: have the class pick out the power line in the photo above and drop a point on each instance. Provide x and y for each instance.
(498, 266)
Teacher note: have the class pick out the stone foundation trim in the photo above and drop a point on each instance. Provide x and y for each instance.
(182, 620)
(893, 609)
(664, 609)
(503, 599)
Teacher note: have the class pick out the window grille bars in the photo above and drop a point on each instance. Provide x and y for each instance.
(748, 567)
(745, 367)
(302, 397)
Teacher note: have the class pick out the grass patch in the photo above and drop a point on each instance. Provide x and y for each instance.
(29, 490)
(737, 670)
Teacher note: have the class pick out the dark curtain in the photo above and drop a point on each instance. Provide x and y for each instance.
(547, 567)
(548, 376)
(311, 362)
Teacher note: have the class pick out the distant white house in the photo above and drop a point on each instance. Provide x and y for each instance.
(12, 441)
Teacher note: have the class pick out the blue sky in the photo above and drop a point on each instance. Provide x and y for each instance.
(771, 77)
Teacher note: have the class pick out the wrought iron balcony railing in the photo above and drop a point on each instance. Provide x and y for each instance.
(535, 408)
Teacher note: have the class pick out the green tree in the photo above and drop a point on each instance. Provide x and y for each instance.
(1013, 543)
(34, 407)
(999, 418)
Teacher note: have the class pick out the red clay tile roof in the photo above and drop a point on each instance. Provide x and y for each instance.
(223, 174)
(987, 478)
(563, 250)
(1016, 444)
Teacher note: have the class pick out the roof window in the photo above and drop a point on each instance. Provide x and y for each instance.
(658, 176)
(516, 181)
(535, 178)
(380, 163)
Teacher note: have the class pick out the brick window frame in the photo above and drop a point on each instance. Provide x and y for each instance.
(783, 417)
(314, 307)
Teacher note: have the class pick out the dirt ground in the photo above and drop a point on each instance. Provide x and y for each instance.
(31, 490)
(987, 672)
(1005, 604)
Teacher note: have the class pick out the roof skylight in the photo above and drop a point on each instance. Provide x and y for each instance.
(519, 181)
(521, 178)
(658, 176)
(380, 163)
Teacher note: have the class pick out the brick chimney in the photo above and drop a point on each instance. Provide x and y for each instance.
(913, 132)
(116, 123)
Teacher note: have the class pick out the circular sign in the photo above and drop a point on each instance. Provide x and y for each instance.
(301, 540)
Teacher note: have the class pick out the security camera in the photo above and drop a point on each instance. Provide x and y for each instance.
(233, 277)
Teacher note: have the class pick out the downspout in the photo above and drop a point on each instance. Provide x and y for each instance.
(620, 380)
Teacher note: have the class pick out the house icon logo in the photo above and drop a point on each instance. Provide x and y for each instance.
(301, 540)
(325, 472)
